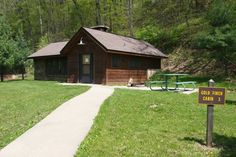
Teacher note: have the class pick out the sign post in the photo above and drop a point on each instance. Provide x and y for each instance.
(210, 116)
(211, 96)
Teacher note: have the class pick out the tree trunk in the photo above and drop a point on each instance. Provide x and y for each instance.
(201, 4)
(105, 11)
(226, 68)
(110, 19)
(40, 21)
(22, 71)
(2, 77)
(98, 13)
(130, 17)
(78, 9)
(1, 72)
(187, 20)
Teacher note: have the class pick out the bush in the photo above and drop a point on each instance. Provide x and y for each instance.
(221, 13)
(163, 39)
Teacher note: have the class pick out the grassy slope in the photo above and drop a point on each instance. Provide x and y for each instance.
(24, 103)
(145, 123)
(183, 56)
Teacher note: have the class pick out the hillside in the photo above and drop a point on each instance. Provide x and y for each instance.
(198, 35)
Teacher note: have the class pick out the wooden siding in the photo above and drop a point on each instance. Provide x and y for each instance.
(39, 69)
(121, 75)
(99, 60)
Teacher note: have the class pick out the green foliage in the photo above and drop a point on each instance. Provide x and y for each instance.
(13, 49)
(20, 55)
(43, 41)
(164, 39)
(221, 13)
(6, 47)
(220, 39)
(169, 25)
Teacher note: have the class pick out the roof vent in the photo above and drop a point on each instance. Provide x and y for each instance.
(100, 28)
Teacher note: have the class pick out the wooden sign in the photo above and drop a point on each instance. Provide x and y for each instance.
(211, 96)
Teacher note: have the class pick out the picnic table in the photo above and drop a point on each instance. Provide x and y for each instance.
(165, 82)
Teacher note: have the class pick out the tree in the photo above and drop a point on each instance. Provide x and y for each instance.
(13, 49)
(6, 51)
(20, 54)
(220, 41)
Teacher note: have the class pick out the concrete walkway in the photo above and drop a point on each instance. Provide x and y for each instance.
(62, 131)
(137, 87)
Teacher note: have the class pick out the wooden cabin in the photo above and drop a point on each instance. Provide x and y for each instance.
(93, 55)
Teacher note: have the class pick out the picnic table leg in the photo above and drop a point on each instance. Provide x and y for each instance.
(177, 80)
(194, 86)
(166, 81)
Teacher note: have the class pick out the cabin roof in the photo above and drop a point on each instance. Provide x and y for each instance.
(111, 42)
(52, 49)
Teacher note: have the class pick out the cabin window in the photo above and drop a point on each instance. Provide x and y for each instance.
(56, 66)
(116, 61)
(86, 59)
(134, 63)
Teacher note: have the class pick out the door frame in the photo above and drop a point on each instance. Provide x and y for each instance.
(81, 68)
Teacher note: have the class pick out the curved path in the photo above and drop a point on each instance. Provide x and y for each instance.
(62, 131)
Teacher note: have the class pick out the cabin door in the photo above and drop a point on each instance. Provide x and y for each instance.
(86, 68)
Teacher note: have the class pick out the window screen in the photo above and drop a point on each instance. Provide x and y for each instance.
(56, 66)
(116, 61)
(134, 63)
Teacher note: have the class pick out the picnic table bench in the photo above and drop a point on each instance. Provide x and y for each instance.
(186, 82)
(156, 83)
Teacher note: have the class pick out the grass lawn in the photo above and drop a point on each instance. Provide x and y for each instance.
(24, 103)
(152, 124)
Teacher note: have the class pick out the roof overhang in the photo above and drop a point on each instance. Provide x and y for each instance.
(45, 56)
(135, 54)
(52, 49)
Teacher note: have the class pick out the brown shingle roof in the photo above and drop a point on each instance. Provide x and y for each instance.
(114, 42)
(111, 42)
(52, 49)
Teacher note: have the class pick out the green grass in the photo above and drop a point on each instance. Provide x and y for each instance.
(24, 103)
(150, 124)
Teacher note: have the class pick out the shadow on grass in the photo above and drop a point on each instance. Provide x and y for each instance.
(231, 102)
(200, 141)
(226, 144)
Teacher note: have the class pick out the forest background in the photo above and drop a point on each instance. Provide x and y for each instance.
(199, 36)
